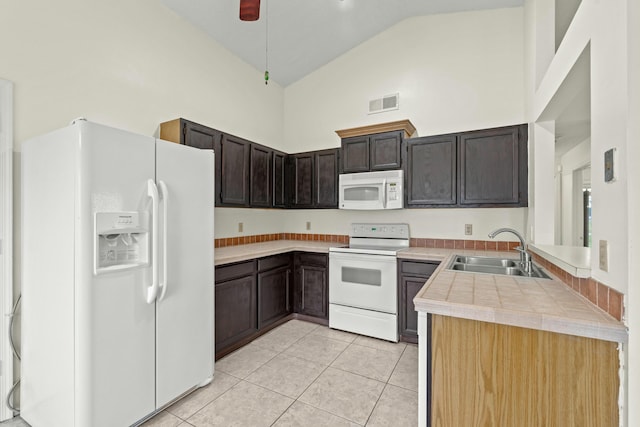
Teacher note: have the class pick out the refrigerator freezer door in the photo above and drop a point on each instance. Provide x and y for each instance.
(184, 311)
(115, 328)
(88, 339)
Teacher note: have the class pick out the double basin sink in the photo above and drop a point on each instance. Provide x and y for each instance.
(489, 265)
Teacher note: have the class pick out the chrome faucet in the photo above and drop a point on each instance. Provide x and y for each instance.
(525, 257)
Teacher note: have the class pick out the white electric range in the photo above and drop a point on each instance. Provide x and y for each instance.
(363, 289)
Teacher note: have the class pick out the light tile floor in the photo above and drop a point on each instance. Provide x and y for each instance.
(303, 374)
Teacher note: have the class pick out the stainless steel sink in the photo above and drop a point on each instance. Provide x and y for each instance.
(488, 265)
(480, 260)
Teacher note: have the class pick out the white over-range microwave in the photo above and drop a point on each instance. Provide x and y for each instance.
(371, 190)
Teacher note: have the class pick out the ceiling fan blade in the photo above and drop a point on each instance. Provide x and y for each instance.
(249, 10)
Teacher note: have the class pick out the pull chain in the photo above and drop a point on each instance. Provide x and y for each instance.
(266, 44)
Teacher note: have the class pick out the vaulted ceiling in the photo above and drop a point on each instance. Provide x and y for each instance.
(304, 35)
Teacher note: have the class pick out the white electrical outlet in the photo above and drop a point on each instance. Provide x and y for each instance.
(603, 255)
(308, 225)
(240, 227)
(468, 229)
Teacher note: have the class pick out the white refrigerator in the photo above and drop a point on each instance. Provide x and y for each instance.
(117, 275)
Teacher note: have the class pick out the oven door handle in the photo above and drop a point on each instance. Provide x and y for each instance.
(384, 193)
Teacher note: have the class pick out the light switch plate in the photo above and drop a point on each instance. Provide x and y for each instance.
(609, 165)
(603, 255)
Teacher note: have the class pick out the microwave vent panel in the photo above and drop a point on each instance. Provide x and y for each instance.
(386, 103)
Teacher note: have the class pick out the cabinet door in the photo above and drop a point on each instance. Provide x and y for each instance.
(355, 154)
(279, 180)
(302, 180)
(260, 181)
(234, 168)
(431, 171)
(199, 136)
(236, 310)
(489, 166)
(311, 285)
(384, 149)
(409, 287)
(274, 295)
(326, 179)
(412, 277)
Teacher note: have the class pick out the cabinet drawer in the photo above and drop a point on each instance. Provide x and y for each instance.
(312, 259)
(418, 268)
(228, 272)
(274, 261)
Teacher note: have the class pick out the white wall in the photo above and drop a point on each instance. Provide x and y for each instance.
(633, 197)
(612, 39)
(454, 72)
(602, 27)
(572, 164)
(129, 64)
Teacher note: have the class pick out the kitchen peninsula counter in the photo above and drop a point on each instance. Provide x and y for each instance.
(494, 328)
(541, 304)
(231, 254)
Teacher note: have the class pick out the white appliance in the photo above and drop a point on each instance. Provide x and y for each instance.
(117, 275)
(371, 190)
(363, 281)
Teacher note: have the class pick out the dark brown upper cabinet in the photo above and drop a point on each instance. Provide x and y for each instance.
(301, 180)
(326, 178)
(355, 154)
(184, 132)
(372, 152)
(492, 166)
(261, 176)
(279, 186)
(313, 178)
(431, 171)
(234, 154)
(484, 168)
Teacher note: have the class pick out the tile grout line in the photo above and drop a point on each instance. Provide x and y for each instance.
(311, 383)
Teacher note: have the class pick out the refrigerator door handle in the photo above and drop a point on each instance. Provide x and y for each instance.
(152, 192)
(164, 192)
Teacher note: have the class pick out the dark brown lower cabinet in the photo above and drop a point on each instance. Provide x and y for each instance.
(254, 296)
(412, 275)
(274, 289)
(235, 304)
(311, 292)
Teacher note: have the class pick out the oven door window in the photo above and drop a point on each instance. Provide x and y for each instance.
(362, 276)
(362, 193)
(364, 281)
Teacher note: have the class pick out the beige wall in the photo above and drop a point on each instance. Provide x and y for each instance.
(454, 72)
(128, 64)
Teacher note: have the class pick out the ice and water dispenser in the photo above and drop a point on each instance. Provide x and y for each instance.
(122, 241)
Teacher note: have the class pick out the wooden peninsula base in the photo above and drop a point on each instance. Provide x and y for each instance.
(487, 374)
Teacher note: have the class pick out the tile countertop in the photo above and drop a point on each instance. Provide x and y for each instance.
(541, 304)
(230, 254)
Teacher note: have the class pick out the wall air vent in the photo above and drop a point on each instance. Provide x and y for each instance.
(386, 103)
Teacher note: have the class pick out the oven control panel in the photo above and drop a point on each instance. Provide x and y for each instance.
(382, 231)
